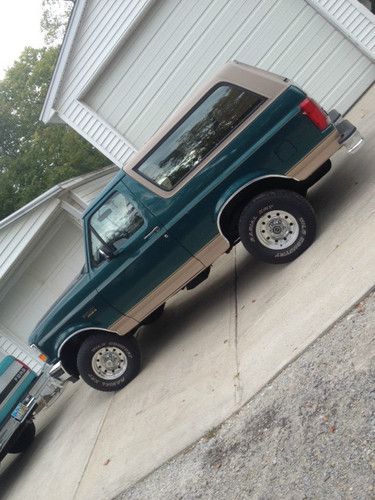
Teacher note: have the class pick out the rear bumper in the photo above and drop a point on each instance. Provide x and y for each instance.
(45, 390)
(349, 137)
(316, 163)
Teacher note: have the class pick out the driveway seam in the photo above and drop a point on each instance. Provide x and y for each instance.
(237, 381)
(93, 448)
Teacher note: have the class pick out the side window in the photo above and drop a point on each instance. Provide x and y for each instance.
(198, 134)
(112, 224)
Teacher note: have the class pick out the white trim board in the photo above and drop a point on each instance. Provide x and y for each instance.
(353, 20)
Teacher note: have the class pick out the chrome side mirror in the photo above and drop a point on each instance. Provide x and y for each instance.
(106, 253)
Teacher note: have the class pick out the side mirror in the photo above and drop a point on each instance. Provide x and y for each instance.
(106, 252)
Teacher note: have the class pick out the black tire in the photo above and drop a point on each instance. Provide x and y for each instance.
(285, 211)
(99, 351)
(22, 438)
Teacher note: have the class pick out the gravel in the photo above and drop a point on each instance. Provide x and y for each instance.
(308, 434)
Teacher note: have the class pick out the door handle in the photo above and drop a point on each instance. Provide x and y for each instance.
(153, 231)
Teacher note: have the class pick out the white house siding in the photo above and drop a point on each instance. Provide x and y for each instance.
(45, 276)
(20, 232)
(15, 238)
(179, 44)
(87, 192)
(353, 19)
(41, 251)
(159, 51)
(102, 26)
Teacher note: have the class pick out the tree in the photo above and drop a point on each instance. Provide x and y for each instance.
(34, 156)
(55, 17)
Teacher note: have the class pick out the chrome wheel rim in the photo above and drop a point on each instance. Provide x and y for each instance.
(277, 229)
(109, 363)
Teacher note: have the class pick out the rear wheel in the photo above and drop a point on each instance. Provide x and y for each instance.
(108, 362)
(277, 226)
(22, 438)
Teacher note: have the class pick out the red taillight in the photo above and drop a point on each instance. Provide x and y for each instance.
(315, 113)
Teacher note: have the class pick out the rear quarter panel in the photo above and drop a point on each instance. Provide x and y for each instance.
(270, 145)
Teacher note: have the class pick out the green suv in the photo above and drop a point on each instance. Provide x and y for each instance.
(234, 163)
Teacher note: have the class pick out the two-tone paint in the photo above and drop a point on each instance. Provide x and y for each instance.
(183, 231)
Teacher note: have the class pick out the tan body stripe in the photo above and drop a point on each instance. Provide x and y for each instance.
(216, 247)
(171, 285)
(312, 161)
(124, 325)
(213, 250)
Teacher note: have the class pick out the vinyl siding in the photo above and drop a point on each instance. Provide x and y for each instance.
(45, 277)
(102, 27)
(353, 19)
(87, 192)
(41, 251)
(15, 238)
(179, 44)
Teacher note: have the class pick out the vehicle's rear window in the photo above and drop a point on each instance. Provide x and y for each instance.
(198, 134)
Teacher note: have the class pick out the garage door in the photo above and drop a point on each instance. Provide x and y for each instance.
(179, 44)
(46, 277)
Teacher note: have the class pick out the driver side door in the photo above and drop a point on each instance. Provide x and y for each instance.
(144, 265)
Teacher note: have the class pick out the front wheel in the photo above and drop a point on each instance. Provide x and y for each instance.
(108, 362)
(277, 226)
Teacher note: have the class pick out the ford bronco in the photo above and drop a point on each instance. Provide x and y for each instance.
(234, 163)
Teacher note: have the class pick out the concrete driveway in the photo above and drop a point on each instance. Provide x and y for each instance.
(213, 349)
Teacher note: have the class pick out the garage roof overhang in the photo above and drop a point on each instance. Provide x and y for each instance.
(20, 232)
(332, 12)
(93, 38)
(49, 114)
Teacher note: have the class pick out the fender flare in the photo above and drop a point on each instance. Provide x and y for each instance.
(254, 186)
(68, 349)
(88, 328)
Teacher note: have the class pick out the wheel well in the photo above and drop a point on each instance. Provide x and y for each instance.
(69, 351)
(229, 217)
